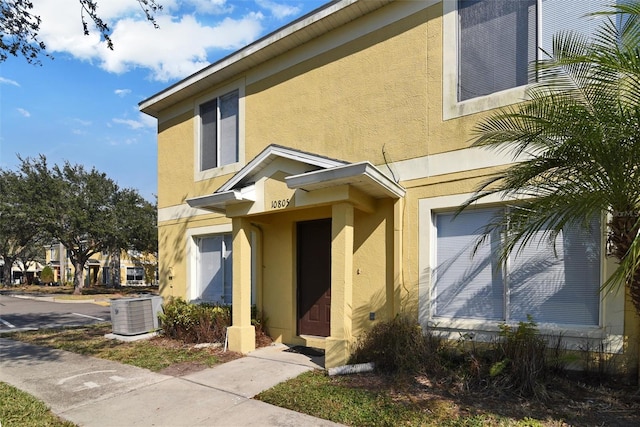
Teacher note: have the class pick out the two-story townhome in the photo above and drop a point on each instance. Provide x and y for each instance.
(134, 268)
(315, 174)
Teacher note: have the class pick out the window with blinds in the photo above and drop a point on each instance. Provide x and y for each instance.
(556, 282)
(498, 39)
(214, 269)
(219, 131)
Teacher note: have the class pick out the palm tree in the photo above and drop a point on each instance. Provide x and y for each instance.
(578, 144)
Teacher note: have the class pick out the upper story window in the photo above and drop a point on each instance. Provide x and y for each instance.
(488, 46)
(497, 41)
(219, 131)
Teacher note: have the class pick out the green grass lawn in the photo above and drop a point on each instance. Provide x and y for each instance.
(154, 354)
(20, 409)
(355, 400)
(374, 400)
(335, 399)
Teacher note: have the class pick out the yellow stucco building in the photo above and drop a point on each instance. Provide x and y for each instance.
(314, 174)
(134, 269)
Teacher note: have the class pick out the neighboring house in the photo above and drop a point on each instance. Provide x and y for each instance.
(315, 173)
(135, 269)
(21, 274)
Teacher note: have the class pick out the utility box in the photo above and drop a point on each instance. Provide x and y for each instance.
(135, 316)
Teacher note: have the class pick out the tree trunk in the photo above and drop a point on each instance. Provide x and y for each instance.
(6, 269)
(78, 278)
(115, 267)
(624, 227)
(623, 230)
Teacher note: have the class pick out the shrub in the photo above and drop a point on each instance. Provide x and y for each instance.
(518, 361)
(397, 346)
(46, 275)
(521, 363)
(195, 323)
(259, 321)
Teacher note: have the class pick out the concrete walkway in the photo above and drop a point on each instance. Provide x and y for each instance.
(96, 392)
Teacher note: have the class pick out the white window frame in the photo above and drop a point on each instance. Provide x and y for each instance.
(134, 281)
(451, 107)
(200, 175)
(611, 323)
(193, 237)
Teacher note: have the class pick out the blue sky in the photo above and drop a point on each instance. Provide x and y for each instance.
(82, 106)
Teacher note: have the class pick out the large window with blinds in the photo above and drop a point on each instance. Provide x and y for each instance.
(555, 282)
(499, 39)
(219, 131)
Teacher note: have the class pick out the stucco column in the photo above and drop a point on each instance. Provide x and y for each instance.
(242, 333)
(337, 345)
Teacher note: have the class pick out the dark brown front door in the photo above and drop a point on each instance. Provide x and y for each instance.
(314, 277)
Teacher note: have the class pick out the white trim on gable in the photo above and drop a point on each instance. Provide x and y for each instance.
(268, 155)
(325, 173)
(361, 175)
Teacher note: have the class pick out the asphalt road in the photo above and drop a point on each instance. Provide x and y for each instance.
(17, 313)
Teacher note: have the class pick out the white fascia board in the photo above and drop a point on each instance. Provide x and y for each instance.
(346, 174)
(278, 151)
(218, 201)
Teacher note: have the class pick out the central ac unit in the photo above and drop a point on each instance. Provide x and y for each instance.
(135, 316)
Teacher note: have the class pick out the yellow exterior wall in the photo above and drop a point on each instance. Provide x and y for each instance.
(379, 98)
(98, 263)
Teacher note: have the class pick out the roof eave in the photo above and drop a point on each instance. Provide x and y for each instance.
(286, 38)
(348, 174)
(217, 202)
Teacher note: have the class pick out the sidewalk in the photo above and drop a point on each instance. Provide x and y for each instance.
(96, 392)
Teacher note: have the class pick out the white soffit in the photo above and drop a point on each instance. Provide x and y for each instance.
(363, 176)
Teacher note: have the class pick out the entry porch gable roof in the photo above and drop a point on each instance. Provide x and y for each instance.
(326, 173)
(362, 175)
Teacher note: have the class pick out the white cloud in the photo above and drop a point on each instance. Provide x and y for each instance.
(179, 48)
(214, 7)
(176, 50)
(143, 121)
(122, 92)
(133, 124)
(9, 82)
(280, 11)
(115, 142)
(23, 112)
(81, 122)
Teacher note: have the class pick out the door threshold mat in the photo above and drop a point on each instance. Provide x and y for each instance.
(307, 351)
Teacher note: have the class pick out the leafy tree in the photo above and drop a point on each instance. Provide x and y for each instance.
(133, 228)
(580, 138)
(87, 212)
(21, 236)
(19, 26)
